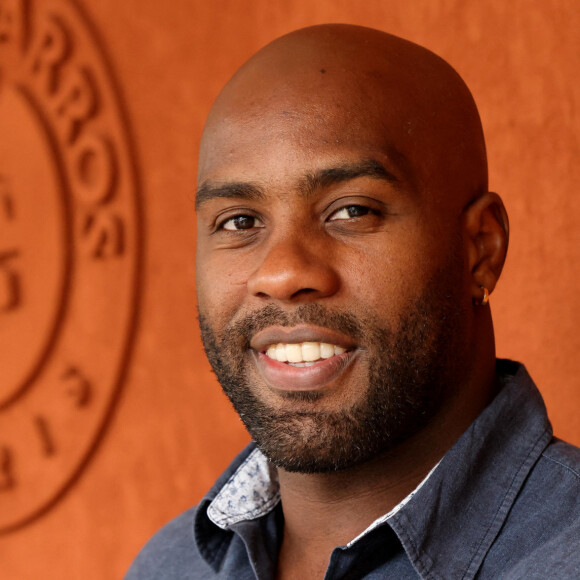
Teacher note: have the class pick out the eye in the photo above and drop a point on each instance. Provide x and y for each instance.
(241, 222)
(350, 211)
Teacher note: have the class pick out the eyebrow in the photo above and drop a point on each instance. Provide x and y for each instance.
(208, 191)
(346, 172)
(319, 179)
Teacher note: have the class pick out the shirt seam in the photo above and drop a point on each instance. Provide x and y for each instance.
(419, 556)
(567, 467)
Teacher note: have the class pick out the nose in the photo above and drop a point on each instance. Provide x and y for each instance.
(295, 269)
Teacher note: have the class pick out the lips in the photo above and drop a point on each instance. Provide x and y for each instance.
(302, 358)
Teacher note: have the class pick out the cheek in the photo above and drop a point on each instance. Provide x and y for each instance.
(387, 277)
(221, 286)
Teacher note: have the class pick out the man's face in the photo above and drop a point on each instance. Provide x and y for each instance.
(329, 282)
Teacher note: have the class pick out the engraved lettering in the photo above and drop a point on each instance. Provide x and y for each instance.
(48, 447)
(60, 104)
(104, 235)
(94, 170)
(7, 480)
(79, 387)
(10, 282)
(48, 52)
(76, 102)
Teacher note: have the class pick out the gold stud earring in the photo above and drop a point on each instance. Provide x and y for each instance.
(485, 298)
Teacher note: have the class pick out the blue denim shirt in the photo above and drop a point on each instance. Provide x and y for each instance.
(504, 503)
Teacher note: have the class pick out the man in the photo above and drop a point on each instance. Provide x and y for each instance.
(347, 247)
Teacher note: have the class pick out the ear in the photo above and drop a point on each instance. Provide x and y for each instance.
(486, 231)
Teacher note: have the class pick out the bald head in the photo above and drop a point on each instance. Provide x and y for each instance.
(355, 86)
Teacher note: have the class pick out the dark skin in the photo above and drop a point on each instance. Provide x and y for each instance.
(321, 100)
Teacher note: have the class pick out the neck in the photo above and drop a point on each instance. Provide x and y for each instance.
(335, 507)
(326, 510)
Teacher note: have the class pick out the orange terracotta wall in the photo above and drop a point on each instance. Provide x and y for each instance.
(110, 420)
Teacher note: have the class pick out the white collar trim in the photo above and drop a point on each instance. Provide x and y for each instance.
(397, 508)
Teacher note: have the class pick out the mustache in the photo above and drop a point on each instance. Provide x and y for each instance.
(245, 326)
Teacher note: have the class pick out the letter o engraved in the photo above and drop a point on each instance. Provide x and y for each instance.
(93, 170)
(70, 252)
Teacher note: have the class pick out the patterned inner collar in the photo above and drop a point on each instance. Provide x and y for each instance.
(253, 491)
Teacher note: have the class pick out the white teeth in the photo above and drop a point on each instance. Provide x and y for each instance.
(306, 352)
(280, 353)
(326, 350)
(294, 353)
(310, 351)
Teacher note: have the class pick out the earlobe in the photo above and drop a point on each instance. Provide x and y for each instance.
(486, 231)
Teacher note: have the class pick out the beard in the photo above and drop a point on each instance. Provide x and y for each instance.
(411, 372)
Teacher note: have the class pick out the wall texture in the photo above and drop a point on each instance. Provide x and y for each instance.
(111, 422)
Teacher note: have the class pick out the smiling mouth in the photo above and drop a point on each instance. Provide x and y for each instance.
(303, 354)
(303, 357)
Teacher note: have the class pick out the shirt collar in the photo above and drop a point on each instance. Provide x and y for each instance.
(450, 526)
(253, 491)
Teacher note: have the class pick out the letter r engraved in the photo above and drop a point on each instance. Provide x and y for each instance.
(48, 53)
(10, 282)
(7, 481)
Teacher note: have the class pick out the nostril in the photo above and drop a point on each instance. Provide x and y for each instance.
(303, 291)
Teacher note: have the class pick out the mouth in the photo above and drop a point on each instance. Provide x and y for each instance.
(302, 358)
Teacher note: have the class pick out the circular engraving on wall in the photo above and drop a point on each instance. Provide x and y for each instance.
(69, 251)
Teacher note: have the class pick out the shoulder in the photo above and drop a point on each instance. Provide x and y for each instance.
(558, 558)
(539, 536)
(548, 510)
(171, 553)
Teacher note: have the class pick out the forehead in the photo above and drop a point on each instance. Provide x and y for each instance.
(281, 134)
(286, 113)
